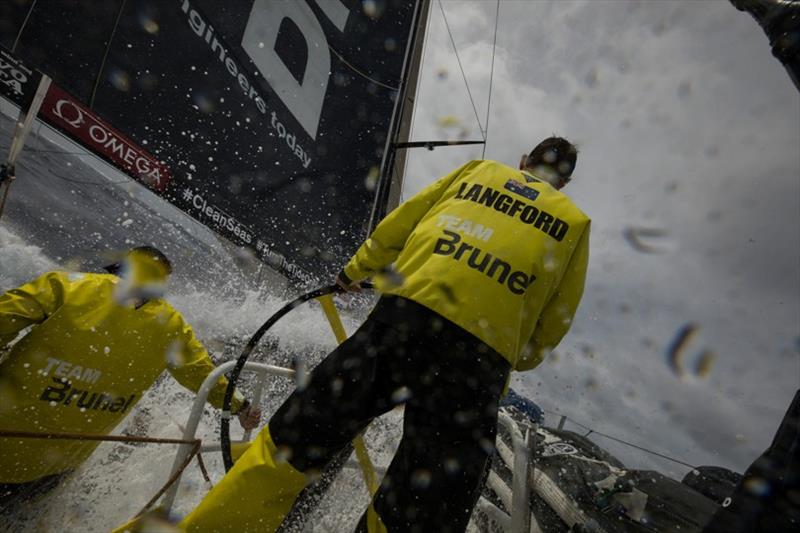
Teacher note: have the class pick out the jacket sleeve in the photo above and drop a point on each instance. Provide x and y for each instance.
(556, 317)
(30, 304)
(191, 364)
(384, 245)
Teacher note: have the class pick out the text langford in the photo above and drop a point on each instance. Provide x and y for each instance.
(515, 208)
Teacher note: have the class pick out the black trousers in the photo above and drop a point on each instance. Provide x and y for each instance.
(450, 383)
(15, 495)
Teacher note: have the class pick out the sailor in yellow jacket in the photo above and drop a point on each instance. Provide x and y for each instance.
(97, 342)
(481, 273)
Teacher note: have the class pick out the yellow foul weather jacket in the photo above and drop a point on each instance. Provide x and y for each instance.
(83, 366)
(491, 248)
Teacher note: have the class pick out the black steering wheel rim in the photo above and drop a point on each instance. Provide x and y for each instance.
(225, 433)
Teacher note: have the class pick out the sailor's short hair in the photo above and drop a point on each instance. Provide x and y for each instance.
(555, 152)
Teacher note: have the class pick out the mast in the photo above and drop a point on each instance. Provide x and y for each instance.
(390, 184)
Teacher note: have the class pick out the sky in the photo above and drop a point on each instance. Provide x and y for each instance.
(686, 125)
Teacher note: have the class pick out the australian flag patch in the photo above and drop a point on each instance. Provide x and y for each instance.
(518, 188)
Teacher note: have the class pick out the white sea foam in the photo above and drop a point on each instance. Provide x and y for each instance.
(118, 479)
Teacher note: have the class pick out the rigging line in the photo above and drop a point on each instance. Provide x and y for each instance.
(44, 151)
(83, 182)
(621, 441)
(361, 72)
(491, 77)
(657, 454)
(463, 74)
(105, 55)
(22, 27)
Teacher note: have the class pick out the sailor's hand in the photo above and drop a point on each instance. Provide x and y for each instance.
(249, 416)
(346, 284)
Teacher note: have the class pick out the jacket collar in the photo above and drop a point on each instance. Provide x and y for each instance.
(530, 176)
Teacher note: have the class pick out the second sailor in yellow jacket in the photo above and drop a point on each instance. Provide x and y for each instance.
(481, 273)
(97, 342)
